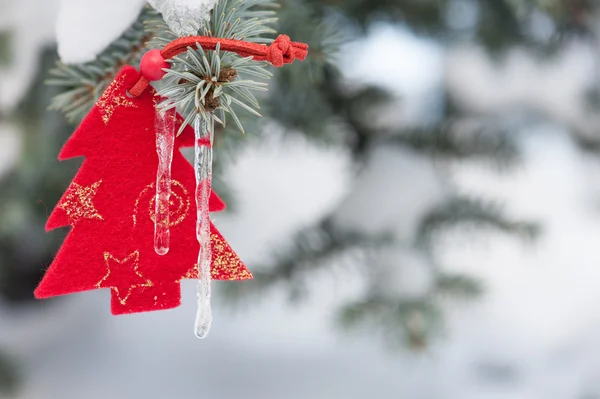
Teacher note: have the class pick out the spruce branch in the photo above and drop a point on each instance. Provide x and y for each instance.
(460, 140)
(322, 247)
(83, 84)
(412, 321)
(321, 29)
(5, 39)
(457, 286)
(217, 84)
(462, 211)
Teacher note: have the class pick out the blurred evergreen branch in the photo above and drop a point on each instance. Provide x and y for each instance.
(411, 321)
(457, 286)
(8, 375)
(5, 50)
(324, 247)
(313, 249)
(471, 212)
(459, 139)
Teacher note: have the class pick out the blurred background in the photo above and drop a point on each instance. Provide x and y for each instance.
(420, 207)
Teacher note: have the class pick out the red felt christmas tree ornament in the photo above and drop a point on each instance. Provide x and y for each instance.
(137, 209)
(110, 208)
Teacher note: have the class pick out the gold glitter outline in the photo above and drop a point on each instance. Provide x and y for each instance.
(134, 255)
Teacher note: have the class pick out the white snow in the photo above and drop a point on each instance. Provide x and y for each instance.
(86, 27)
(184, 17)
(390, 53)
(386, 56)
(391, 194)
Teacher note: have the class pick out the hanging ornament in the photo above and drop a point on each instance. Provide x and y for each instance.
(110, 206)
(131, 205)
(282, 51)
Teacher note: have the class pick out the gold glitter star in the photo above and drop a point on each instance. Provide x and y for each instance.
(122, 275)
(113, 98)
(78, 204)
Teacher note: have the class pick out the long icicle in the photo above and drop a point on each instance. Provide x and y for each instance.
(203, 167)
(164, 127)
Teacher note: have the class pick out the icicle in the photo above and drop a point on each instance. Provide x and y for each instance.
(165, 141)
(203, 166)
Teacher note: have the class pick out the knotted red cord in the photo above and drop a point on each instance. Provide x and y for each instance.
(282, 51)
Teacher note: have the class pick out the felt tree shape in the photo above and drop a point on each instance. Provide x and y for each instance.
(110, 206)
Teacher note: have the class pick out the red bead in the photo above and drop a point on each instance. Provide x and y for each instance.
(152, 65)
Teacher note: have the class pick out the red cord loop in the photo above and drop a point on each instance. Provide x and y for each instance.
(281, 52)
